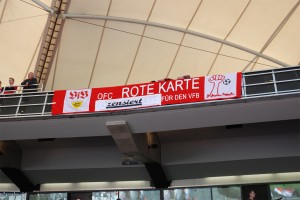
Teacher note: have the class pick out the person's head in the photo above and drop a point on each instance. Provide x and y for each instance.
(0, 83)
(11, 81)
(30, 75)
(251, 194)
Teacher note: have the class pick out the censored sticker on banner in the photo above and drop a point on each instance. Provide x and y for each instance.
(128, 103)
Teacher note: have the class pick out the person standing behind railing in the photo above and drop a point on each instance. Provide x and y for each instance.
(11, 89)
(1, 88)
(30, 84)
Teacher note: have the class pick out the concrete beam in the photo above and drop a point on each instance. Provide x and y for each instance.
(10, 165)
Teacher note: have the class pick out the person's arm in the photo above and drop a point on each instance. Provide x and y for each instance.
(24, 82)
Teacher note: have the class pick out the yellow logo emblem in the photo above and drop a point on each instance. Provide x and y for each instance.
(77, 104)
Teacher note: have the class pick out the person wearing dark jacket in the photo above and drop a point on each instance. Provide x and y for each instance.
(29, 85)
(1, 88)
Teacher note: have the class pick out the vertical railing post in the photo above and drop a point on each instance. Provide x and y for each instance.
(244, 93)
(41, 87)
(44, 106)
(18, 106)
(274, 82)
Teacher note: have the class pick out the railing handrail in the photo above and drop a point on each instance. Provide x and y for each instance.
(40, 87)
(29, 94)
(285, 69)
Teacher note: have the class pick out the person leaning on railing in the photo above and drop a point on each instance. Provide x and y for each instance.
(11, 89)
(30, 84)
(1, 88)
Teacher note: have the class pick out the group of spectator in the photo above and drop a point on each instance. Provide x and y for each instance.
(28, 85)
(11, 89)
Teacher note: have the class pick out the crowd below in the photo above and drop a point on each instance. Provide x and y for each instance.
(28, 85)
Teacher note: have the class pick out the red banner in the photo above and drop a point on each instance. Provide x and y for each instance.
(148, 94)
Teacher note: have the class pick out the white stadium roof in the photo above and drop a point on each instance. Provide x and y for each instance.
(134, 41)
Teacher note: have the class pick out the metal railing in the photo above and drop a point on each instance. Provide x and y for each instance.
(271, 82)
(20, 89)
(27, 104)
(254, 85)
(22, 102)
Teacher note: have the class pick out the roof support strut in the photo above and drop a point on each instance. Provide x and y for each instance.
(182, 30)
(52, 35)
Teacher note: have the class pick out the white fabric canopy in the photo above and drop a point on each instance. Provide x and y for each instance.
(97, 53)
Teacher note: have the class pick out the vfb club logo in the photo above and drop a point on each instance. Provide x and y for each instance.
(78, 98)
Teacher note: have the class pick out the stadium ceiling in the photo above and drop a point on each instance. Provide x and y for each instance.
(115, 42)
